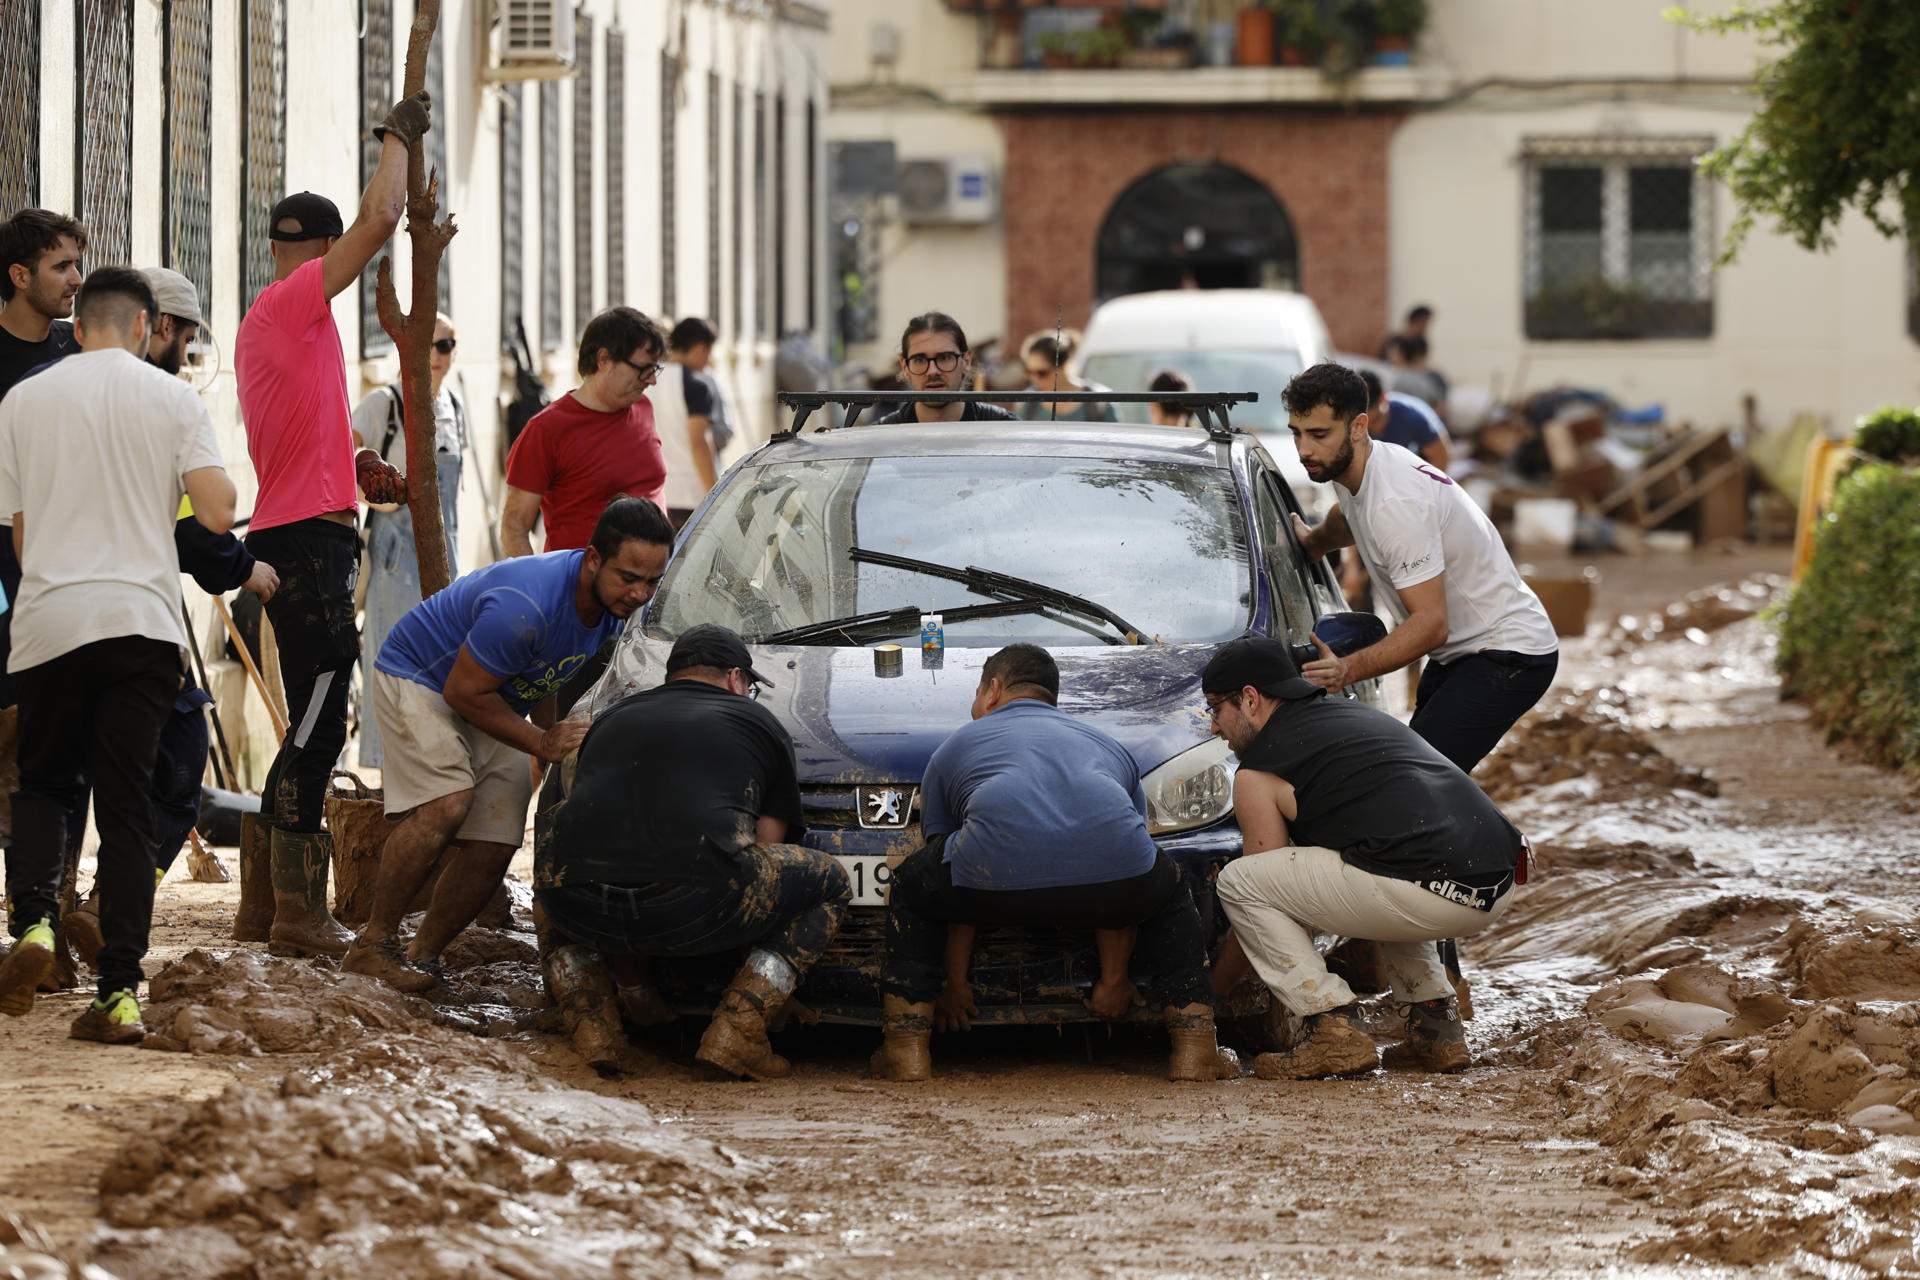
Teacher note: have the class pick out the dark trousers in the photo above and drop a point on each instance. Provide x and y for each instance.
(312, 616)
(1169, 954)
(96, 710)
(1464, 707)
(787, 900)
(178, 770)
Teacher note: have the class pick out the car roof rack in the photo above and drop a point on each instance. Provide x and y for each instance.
(1209, 406)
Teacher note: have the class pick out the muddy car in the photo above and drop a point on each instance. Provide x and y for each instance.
(1129, 552)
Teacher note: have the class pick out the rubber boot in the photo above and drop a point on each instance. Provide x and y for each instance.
(905, 1054)
(578, 982)
(253, 922)
(302, 925)
(736, 1040)
(1197, 1055)
(1334, 1045)
(1435, 1040)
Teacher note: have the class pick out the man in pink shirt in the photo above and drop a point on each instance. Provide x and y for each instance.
(292, 382)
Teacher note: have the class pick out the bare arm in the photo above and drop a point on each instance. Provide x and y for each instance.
(955, 1010)
(1332, 534)
(1424, 631)
(380, 207)
(474, 694)
(516, 522)
(702, 447)
(1438, 452)
(214, 500)
(1262, 805)
(769, 830)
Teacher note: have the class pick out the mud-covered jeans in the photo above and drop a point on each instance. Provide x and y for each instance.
(1169, 953)
(95, 710)
(1464, 707)
(312, 616)
(1276, 900)
(787, 900)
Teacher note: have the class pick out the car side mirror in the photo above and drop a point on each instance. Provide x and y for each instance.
(1344, 633)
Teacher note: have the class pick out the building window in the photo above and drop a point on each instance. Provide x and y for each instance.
(376, 95)
(669, 155)
(616, 117)
(813, 215)
(582, 173)
(187, 145)
(512, 173)
(103, 98)
(20, 122)
(717, 318)
(779, 215)
(1619, 239)
(737, 169)
(550, 296)
(263, 151)
(762, 272)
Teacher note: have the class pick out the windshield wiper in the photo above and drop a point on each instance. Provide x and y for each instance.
(894, 622)
(1013, 590)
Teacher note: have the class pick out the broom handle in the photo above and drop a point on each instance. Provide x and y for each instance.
(246, 660)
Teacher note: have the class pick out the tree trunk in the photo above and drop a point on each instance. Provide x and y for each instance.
(412, 331)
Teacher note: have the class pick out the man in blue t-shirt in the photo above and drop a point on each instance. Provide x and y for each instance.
(1034, 819)
(452, 688)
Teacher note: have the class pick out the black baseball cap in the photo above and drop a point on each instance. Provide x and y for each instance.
(1258, 661)
(317, 216)
(712, 645)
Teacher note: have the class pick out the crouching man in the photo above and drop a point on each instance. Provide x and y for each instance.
(676, 839)
(1036, 820)
(452, 688)
(1352, 824)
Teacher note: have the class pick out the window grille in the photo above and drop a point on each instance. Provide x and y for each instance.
(718, 317)
(583, 308)
(512, 269)
(762, 259)
(263, 155)
(550, 296)
(779, 214)
(376, 96)
(187, 230)
(669, 155)
(813, 215)
(736, 168)
(20, 122)
(436, 150)
(616, 117)
(103, 99)
(1619, 239)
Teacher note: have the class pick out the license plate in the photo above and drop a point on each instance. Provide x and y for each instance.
(870, 875)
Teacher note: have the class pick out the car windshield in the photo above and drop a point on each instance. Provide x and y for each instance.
(1161, 544)
(1265, 372)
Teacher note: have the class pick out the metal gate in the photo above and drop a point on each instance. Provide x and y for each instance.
(550, 319)
(103, 110)
(582, 174)
(376, 95)
(669, 164)
(616, 116)
(20, 122)
(512, 269)
(263, 151)
(187, 229)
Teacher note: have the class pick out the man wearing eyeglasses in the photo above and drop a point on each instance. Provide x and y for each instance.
(592, 445)
(934, 356)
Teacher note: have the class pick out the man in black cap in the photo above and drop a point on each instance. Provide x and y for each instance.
(1351, 823)
(292, 382)
(677, 838)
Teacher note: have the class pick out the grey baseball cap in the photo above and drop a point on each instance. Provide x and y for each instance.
(174, 293)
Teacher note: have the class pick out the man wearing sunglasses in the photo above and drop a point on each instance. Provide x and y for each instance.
(592, 445)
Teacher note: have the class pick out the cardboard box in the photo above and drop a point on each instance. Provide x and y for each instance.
(1567, 600)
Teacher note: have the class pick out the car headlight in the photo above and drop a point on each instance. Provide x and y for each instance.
(1194, 789)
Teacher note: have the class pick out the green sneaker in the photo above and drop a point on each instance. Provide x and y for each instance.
(115, 1020)
(25, 968)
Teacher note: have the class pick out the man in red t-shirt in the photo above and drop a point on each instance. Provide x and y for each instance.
(592, 445)
(292, 382)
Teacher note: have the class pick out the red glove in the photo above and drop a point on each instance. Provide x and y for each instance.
(378, 481)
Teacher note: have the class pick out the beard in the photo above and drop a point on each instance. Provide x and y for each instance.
(173, 358)
(1342, 461)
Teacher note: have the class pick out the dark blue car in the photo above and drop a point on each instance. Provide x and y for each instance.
(1129, 552)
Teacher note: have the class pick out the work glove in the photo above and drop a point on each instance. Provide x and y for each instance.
(379, 482)
(408, 120)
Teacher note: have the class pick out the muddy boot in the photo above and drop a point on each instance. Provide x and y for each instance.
(253, 922)
(302, 925)
(642, 1005)
(904, 1054)
(1436, 1041)
(115, 1020)
(25, 967)
(736, 1039)
(386, 959)
(1197, 1055)
(578, 982)
(1332, 1045)
(81, 930)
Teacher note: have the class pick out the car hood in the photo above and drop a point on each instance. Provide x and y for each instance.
(852, 726)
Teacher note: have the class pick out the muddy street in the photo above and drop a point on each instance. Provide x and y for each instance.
(1697, 1051)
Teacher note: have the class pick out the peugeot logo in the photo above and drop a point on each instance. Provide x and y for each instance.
(885, 808)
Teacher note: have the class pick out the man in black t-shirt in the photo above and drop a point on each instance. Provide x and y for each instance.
(675, 839)
(1350, 823)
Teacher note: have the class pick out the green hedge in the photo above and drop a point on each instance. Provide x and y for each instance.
(1850, 632)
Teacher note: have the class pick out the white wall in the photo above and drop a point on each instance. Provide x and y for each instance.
(1552, 39)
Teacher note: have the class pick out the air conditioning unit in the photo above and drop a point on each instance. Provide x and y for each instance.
(534, 40)
(947, 189)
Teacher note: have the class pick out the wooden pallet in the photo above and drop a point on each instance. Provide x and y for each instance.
(1703, 474)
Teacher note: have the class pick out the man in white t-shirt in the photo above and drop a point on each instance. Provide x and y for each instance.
(686, 409)
(1438, 565)
(94, 456)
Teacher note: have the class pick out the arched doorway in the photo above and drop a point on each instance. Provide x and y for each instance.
(1205, 226)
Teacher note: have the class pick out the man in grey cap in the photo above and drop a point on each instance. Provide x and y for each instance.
(180, 321)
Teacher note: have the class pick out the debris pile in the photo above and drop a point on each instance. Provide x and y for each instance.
(1584, 734)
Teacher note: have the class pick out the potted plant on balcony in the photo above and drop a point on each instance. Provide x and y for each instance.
(1396, 25)
(1254, 29)
(1298, 32)
(1154, 46)
(1100, 47)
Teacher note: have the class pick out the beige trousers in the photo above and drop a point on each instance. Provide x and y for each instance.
(1276, 900)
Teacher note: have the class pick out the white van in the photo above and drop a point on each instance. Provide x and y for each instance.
(1222, 340)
